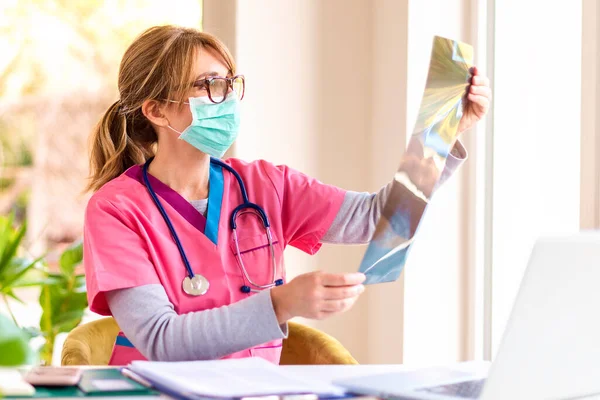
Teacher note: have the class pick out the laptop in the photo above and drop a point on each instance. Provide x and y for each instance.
(551, 345)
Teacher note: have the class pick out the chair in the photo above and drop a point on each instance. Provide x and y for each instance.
(92, 343)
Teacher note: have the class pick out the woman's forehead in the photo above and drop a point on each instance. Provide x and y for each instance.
(208, 62)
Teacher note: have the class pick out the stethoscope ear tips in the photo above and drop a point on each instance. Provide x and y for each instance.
(245, 289)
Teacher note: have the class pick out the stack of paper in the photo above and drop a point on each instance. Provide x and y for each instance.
(228, 379)
(13, 384)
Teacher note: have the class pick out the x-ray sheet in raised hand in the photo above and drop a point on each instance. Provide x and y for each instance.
(423, 162)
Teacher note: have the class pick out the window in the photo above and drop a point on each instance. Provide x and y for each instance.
(536, 138)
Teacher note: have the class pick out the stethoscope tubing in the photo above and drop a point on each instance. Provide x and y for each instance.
(246, 204)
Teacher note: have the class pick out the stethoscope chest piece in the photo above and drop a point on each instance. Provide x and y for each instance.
(196, 286)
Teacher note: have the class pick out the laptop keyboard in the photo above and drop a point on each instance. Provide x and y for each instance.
(468, 389)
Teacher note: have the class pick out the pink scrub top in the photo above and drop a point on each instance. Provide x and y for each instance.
(128, 244)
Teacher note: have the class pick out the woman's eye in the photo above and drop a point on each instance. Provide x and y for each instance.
(200, 85)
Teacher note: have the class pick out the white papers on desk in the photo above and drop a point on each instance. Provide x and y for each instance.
(13, 384)
(229, 378)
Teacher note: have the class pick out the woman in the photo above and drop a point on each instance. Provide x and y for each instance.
(160, 252)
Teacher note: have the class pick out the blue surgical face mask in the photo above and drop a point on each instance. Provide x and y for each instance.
(214, 127)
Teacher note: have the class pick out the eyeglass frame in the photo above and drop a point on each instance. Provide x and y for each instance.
(208, 79)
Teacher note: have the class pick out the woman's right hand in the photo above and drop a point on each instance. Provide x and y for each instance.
(316, 295)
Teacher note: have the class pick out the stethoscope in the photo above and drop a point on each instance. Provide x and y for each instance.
(196, 284)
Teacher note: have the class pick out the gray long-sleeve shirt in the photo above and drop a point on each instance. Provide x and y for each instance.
(148, 318)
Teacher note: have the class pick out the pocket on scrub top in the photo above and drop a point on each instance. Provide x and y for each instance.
(253, 243)
(269, 351)
(256, 256)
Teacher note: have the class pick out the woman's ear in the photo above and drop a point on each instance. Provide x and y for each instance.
(153, 111)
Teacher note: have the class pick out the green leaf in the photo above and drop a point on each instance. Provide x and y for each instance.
(71, 258)
(72, 302)
(78, 300)
(14, 348)
(62, 305)
(38, 271)
(36, 282)
(46, 304)
(67, 326)
(6, 230)
(68, 321)
(68, 317)
(12, 269)
(18, 268)
(11, 246)
(12, 294)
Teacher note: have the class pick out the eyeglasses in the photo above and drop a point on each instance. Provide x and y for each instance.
(217, 87)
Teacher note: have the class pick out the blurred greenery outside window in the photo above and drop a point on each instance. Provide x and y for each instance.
(58, 75)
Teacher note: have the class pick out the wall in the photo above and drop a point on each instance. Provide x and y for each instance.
(307, 111)
(385, 314)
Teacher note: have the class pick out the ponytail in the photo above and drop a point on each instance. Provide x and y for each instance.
(113, 150)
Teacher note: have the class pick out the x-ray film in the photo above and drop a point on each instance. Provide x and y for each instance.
(423, 162)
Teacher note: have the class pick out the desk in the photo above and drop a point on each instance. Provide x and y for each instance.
(320, 373)
(317, 373)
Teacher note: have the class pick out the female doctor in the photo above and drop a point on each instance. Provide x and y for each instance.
(185, 250)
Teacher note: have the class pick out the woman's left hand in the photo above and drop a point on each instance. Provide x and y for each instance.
(478, 101)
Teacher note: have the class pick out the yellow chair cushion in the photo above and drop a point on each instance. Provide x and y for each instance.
(310, 346)
(92, 343)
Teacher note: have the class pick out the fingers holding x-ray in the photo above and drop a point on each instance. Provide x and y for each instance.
(477, 100)
(483, 91)
(479, 80)
(480, 100)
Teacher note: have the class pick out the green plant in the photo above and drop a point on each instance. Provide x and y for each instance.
(63, 296)
(14, 347)
(63, 299)
(14, 269)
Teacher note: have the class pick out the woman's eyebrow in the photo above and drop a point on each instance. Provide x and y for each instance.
(205, 74)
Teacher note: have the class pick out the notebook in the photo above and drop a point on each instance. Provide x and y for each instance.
(232, 378)
(109, 382)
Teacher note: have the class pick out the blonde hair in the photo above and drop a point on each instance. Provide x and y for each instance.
(158, 65)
